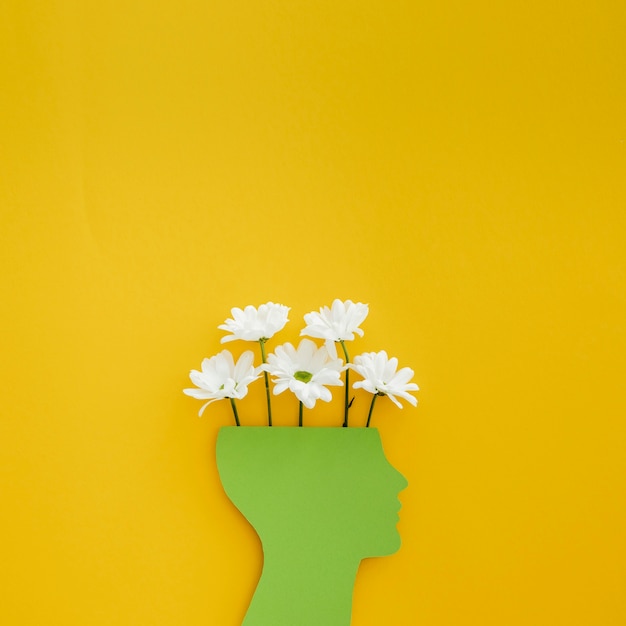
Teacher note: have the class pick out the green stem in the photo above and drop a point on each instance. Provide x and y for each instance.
(300, 415)
(347, 395)
(232, 403)
(267, 384)
(369, 415)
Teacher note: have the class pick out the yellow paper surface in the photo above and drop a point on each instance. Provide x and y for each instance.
(458, 166)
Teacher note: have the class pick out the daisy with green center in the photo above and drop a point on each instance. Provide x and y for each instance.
(252, 324)
(306, 371)
(380, 378)
(337, 323)
(222, 378)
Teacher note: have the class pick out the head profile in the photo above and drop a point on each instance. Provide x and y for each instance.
(329, 489)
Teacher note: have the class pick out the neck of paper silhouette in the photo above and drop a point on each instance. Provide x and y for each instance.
(307, 588)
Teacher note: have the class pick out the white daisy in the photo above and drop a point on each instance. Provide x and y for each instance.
(380, 377)
(305, 371)
(222, 378)
(254, 324)
(337, 323)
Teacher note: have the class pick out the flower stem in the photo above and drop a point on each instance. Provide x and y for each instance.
(232, 403)
(369, 415)
(300, 415)
(347, 396)
(267, 384)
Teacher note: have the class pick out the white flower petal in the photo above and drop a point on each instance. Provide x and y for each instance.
(221, 377)
(204, 406)
(379, 375)
(281, 386)
(198, 394)
(402, 376)
(252, 324)
(228, 338)
(244, 365)
(393, 399)
(337, 323)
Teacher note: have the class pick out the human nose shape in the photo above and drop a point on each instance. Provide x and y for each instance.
(403, 483)
(399, 480)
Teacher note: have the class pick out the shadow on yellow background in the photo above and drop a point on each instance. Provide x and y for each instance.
(458, 166)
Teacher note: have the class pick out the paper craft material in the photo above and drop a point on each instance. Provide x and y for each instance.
(320, 500)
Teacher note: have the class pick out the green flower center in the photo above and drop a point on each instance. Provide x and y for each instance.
(303, 377)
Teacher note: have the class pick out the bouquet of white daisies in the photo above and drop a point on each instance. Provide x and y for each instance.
(307, 370)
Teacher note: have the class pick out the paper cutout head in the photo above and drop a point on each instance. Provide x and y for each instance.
(320, 499)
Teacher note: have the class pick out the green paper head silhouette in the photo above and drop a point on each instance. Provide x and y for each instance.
(321, 500)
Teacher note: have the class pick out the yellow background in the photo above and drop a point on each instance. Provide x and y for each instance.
(460, 166)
